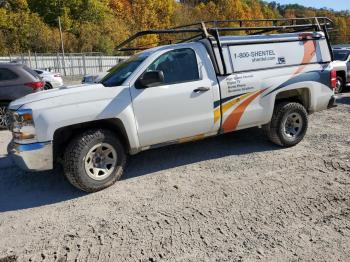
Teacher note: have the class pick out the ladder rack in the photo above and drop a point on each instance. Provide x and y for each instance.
(212, 28)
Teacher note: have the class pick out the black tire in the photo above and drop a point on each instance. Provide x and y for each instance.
(339, 86)
(74, 163)
(277, 130)
(47, 86)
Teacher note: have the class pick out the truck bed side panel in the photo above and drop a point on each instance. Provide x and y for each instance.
(262, 71)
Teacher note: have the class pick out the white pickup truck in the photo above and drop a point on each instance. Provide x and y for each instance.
(204, 86)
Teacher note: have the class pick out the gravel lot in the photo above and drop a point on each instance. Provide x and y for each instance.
(231, 198)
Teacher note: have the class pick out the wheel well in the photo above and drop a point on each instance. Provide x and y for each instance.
(342, 75)
(301, 95)
(48, 86)
(64, 135)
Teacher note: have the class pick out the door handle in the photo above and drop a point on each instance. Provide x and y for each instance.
(201, 89)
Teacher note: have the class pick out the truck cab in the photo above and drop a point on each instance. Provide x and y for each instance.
(172, 93)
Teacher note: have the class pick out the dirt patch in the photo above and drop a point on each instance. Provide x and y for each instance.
(231, 198)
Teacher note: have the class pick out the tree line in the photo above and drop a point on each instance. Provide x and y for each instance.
(98, 25)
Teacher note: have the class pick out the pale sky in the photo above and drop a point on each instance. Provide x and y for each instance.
(334, 4)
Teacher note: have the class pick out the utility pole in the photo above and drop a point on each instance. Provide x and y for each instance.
(61, 37)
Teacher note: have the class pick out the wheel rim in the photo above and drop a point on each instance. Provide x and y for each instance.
(338, 86)
(100, 161)
(4, 117)
(293, 125)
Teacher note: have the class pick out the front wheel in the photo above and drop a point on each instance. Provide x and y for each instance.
(288, 125)
(94, 160)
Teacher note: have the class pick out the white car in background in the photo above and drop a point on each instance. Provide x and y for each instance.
(52, 79)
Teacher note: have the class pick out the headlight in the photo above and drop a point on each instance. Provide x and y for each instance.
(23, 128)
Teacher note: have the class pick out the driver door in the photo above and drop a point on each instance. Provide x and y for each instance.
(181, 107)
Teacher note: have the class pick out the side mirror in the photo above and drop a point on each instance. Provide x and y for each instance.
(151, 78)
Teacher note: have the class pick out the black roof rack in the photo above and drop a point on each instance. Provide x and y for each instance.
(212, 28)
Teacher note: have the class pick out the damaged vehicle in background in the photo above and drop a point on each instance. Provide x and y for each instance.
(16, 81)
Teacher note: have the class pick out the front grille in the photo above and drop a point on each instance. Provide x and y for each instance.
(10, 119)
(4, 117)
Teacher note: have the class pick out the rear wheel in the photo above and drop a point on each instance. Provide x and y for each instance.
(339, 85)
(288, 125)
(94, 160)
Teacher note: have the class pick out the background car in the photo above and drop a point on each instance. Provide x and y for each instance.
(90, 79)
(52, 79)
(342, 66)
(16, 80)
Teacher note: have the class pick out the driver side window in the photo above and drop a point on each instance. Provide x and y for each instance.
(178, 66)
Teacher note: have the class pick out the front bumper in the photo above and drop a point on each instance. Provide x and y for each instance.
(32, 157)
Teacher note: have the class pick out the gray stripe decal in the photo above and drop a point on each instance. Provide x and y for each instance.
(322, 77)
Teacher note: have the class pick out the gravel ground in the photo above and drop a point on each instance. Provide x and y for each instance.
(231, 198)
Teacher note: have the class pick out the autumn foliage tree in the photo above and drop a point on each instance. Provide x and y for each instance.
(98, 25)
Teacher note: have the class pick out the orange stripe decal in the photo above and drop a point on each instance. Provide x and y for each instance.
(226, 106)
(309, 52)
(232, 120)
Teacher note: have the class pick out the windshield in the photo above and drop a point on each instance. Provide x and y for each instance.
(341, 55)
(119, 73)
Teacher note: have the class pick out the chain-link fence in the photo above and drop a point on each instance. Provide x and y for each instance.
(71, 64)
